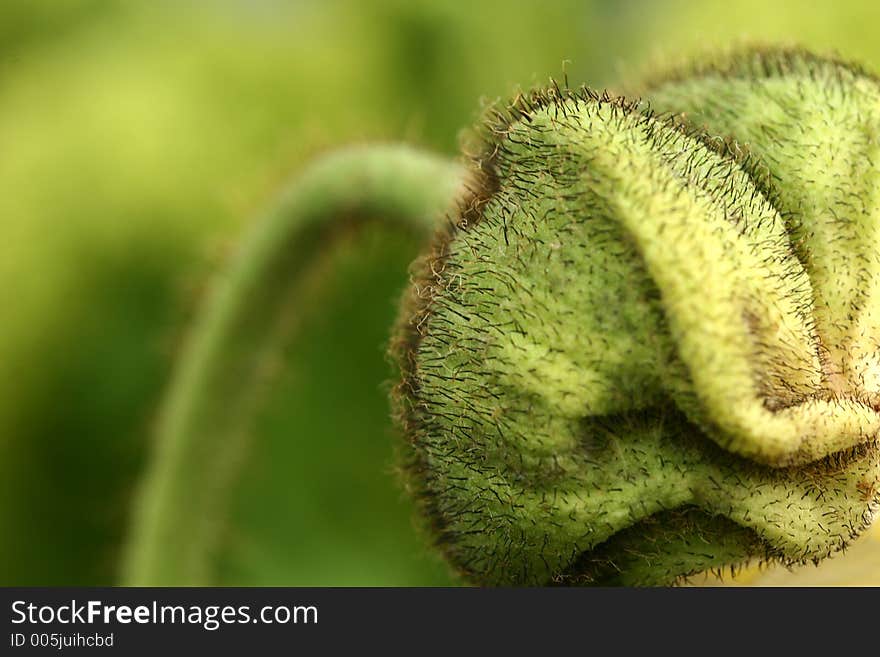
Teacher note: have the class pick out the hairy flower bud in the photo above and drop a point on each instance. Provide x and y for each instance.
(647, 345)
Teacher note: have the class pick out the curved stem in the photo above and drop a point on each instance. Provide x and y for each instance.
(206, 415)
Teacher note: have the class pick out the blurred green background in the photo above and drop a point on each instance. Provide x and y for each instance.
(138, 140)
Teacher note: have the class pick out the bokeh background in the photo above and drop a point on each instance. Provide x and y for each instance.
(139, 139)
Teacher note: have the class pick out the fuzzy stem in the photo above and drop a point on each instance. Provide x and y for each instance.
(206, 415)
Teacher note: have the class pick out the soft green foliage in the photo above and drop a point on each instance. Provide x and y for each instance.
(634, 327)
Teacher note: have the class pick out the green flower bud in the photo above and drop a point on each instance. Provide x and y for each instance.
(647, 344)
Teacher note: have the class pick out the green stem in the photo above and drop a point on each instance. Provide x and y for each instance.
(206, 417)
